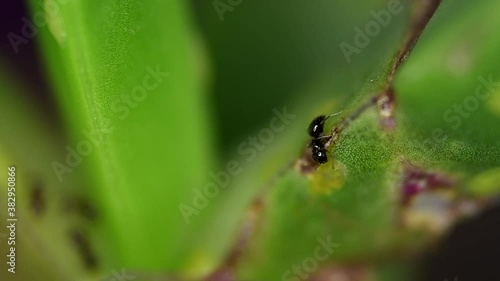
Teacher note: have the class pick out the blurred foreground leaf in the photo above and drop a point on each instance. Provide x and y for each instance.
(124, 75)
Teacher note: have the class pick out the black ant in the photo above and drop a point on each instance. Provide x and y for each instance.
(320, 143)
(315, 130)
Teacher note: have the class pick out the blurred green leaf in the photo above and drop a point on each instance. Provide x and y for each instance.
(123, 72)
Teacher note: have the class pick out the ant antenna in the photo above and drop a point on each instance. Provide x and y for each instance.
(333, 114)
(323, 137)
(316, 126)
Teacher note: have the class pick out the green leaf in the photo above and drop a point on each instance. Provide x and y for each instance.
(124, 73)
(362, 214)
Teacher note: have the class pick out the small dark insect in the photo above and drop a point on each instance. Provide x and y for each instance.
(82, 244)
(315, 130)
(37, 199)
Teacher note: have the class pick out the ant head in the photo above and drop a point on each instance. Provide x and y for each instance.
(316, 127)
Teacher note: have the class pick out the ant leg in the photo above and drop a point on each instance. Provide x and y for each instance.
(323, 137)
(318, 138)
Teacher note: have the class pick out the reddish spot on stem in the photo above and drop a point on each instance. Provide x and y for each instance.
(417, 180)
(343, 273)
(222, 274)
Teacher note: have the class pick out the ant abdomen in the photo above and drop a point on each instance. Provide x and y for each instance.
(319, 153)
